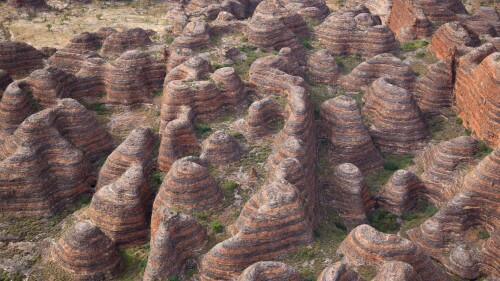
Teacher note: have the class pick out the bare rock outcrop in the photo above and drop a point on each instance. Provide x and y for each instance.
(194, 69)
(338, 271)
(401, 192)
(477, 93)
(383, 65)
(485, 20)
(261, 115)
(366, 246)
(5, 80)
(15, 106)
(120, 209)
(322, 67)
(189, 186)
(380, 8)
(349, 195)
(137, 148)
(397, 125)
(87, 253)
(450, 37)
(19, 58)
(441, 167)
(355, 32)
(175, 238)
(270, 270)
(231, 86)
(220, 148)
(408, 21)
(348, 137)
(194, 36)
(125, 40)
(397, 271)
(50, 84)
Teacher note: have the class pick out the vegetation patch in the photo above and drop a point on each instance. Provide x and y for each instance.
(348, 63)
(413, 45)
(383, 221)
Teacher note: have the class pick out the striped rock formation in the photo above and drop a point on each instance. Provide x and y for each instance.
(18, 58)
(220, 148)
(408, 21)
(434, 91)
(261, 115)
(87, 253)
(485, 20)
(45, 163)
(133, 77)
(311, 10)
(348, 137)
(193, 69)
(5, 80)
(175, 238)
(383, 65)
(273, 26)
(349, 195)
(355, 32)
(120, 209)
(270, 270)
(441, 10)
(380, 8)
(277, 72)
(50, 84)
(271, 223)
(401, 192)
(476, 205)
(177, 56)
(322, 67)
(231, 86)
(189, 186)
(366, 246)
(194, 36)
(178, 138)
(477, 94)
(441, 162)
(451, 37)
(396, 271)
(137, 148)
(125, 40)
(338, 271)
(212, 8)
(15, 106)
(396, 123)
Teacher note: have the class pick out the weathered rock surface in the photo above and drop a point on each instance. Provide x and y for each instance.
(270, 270)
(50, 84)
(125, 40)
(355, 32)
(366, 246)
(230, 85)
(349, 195)
(397, 271)
(188, 186)
(5, 80)
(383, 65)
(477, 93)
(120, 209)
(485, 20)
(401, 192)
(87, 253)
(220, 148)
(396, 122)
(137, 148)
(441, 167)
(175, 238)
(450, 37)
(322, 67)
(408, 21)
(194, 36)
(338, 271)
(261, 115)
(194, 69)
(15, 106)
(380, 8)
(349, 139)
(18, 58)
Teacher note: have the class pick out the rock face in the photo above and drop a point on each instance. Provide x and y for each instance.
(128, 39)
(120, 209)
(397, 271)
(476, 205)
(18, 57)
(380, 8)
(136, 149)
(366, 246)
(5, 80)
(261, 115)
(231, 86)
(270, 270)
(485, 20)
(383, 65)
(322, 67)
(188, 186)
(396, 123)
(194, 69)
(338, 271)
(434, 91)
(400, 193)
(355, 32)
(441, 167)
(45, 165)
(86, 252)
(349, 139)
(15, 106)
(271, 223)
(477, 95)
(349, 195)
(220, 148)
(194, 36)
(451, 36)
(175, 238)
(408, 21)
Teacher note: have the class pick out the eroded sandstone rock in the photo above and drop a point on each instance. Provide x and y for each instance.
(338, 271)
(400, 194)
(18, 58)
(270, 270)
(322, 67)
(450, 37)
(125, 40)
(5, 80)
(220, 148)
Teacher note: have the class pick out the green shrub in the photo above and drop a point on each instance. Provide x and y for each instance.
(155, 180)
(340, 225)
(420, 54)
(229, 186)
(244, 39)
(304, 253)
(247, 48)
(201, 129)
(413, 45)
(482, 150)
(85, 200)
(390, 166)
(216, 226)
(483, 234)
(383, 221)
(316, 233)
(306, 42)
(459, 121)
(169, 39)
(174, 277)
